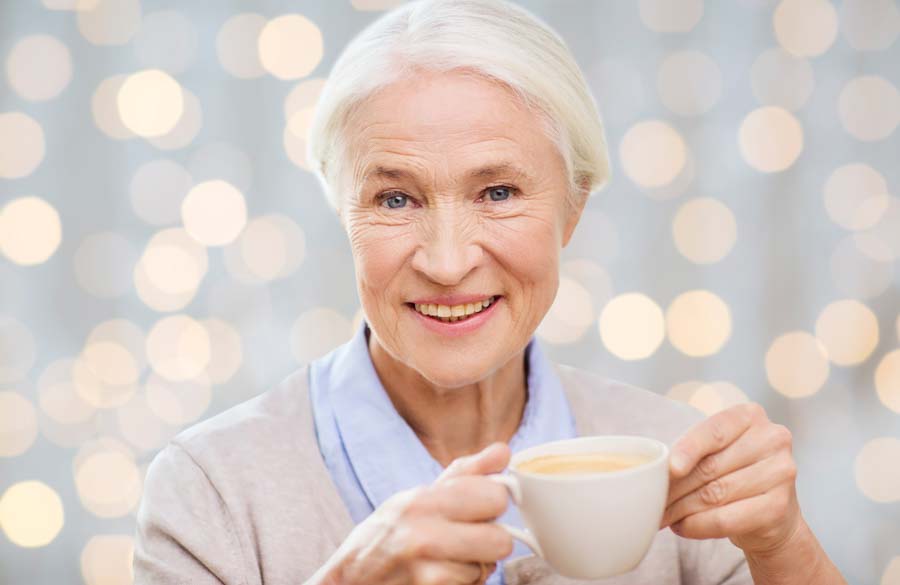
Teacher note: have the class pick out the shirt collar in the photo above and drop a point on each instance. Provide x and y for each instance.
(385, 452)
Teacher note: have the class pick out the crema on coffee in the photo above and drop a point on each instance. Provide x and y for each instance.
(575, 463)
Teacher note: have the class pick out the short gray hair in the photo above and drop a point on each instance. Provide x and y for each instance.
(493, 38)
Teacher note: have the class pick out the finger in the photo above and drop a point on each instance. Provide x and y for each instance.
(756, 444)
(467, 498)
(711, 436)
(467, 542)
(748, 482)
(492, 459)
(432, 572)
(737, 518)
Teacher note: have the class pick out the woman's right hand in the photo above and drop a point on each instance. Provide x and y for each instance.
(430, 534)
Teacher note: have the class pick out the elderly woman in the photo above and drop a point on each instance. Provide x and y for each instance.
(458, 142)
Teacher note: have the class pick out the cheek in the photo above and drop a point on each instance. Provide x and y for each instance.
(378, 253)
(528, 246)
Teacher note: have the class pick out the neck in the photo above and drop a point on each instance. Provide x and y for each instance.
(452, 422)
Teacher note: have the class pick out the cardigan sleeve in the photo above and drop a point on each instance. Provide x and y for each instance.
(713, 562)
(184, 531)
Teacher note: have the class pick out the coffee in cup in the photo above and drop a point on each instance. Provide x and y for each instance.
(576, 463)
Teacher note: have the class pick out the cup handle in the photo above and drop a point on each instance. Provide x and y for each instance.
(515, 493)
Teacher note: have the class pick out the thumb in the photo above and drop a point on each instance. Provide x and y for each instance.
(492, 459)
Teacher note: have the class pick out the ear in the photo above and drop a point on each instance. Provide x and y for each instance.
(574, 209)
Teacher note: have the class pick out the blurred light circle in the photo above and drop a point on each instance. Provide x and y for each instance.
(178, 403)
(236, 45)
(632, 326)
(782, 79)
(704, 230)
(30, 230)
(689, 82)
(111, 362)
(374, 5)
(178, 348)
(58, 397)
(891, 574)
(570, 315)
(668, 16)
(222, 160)
(187, 128)
(108, 483)
(22, 145)
(272, 246)
(849, 331)
(17, 350)
(226, 350)
(167, 40)
(123, 333)
(214, 213)
(652, 153)
(110, 22)
(103, 264)
(105, 108)
(67, 435)
(679, 185)
(716, 396)
(770, 139)
(870, 25)
(150, 102)
(806, 28)
(886, 231)
(140, 426)
(877, 474)
(887, 380)
(300, 122)
(107, 559)
(858, 274)
(797, 364)
(31, 514)
(592, 277)
(869, 107)
(157, 189)
(683, 391)
(318, 331)
(304, 95)
(295, 148)
(856, 196)
(698, 323)
(152, 279)
(91, 371)
(39, 67)
(290, 46)
(18, 424)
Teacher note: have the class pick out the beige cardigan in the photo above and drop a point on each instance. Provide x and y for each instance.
(244, 498)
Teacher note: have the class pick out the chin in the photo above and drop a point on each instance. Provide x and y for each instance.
(450, 375)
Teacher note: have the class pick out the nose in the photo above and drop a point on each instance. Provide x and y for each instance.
(448, 250)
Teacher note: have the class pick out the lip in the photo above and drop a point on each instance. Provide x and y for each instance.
(457, 328)
(452, 300)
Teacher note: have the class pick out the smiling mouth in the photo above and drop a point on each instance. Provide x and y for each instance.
(454, 313)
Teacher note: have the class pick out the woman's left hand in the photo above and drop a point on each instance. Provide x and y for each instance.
(732, 475)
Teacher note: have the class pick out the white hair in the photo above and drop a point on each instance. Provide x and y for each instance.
(492, 38)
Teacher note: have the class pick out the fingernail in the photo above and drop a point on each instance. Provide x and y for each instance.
(678, 461)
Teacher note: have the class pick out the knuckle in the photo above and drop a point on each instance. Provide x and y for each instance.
(713, 493)
(717, 431)
(708, 468)
(755, 412)
(783, 436)
(501, 542)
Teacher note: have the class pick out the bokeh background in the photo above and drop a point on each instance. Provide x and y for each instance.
(165, 253)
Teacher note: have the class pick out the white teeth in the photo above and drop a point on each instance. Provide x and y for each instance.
(453, 313)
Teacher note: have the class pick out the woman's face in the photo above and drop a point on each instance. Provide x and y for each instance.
(458, 200)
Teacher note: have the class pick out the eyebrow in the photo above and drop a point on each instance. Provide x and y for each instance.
(486, 172)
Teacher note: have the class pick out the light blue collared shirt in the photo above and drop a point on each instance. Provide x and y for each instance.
(371, 451)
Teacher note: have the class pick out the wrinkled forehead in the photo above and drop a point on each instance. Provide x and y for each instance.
(460, 122)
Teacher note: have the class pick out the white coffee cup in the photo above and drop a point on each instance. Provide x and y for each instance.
(591, 525)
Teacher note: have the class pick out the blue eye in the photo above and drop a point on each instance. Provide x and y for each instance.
(395, 201)
(499, 193)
